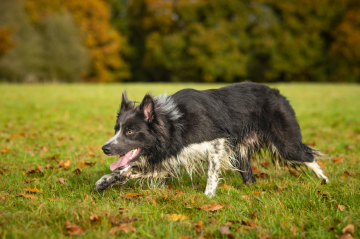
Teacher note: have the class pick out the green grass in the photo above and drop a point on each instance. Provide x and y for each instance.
(73, 121)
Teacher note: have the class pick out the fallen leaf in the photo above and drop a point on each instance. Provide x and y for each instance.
(198, 226)
(253, 215)
(211, 207)
(77, 171)
(261, 175)
(225, 231)
(324, 195)
(64, 164)
(184, 237)
(81, 164)
(257, 193)
(176, 217)
(349, 173)
(350, 229)
(337, 160)
(3, 151)
(341, 207)
(62, 181)
(225, 186)
(132, 195)
(38, 169)
(265, 164)
(54, 199)
(245, 196)
(28, 196)
(90, 163)
(34, 190)
(249, 223)
(254, 169)
(74, 229)
(95, 218)
(171, 187)
(321, 164)
(323, 182)
(45, 150)
(343, 177)
(32, 180)
(48, 166)
(294, 173)
(127, 219)
(122, 227)
(293, 229)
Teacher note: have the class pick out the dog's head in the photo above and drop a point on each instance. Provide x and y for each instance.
(133, 136)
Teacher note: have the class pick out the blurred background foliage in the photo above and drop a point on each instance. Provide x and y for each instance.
(179, 40)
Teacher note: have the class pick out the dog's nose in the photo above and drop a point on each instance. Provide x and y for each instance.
(106, 148)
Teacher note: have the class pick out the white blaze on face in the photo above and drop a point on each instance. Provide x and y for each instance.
(113, 139)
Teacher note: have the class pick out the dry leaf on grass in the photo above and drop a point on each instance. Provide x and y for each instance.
(225, 186)
(245, 196)
(225, 231)
(324, 195)
(349, 173)
(321, 164)
(184, 237)
(265, 164)
(77, 171)
(349, 229)
(294, 173)
(28, 196)
(3, 151)
(198, 226)
(130, 195)
(348, 232)
(261, 175)
(341, 207)
(62, 181)
(33, 190)
(64, 164)
(95, 218)
(122, 227)
(211, 207)
(176, 217)
(32, 180)
(54, 199)
(338, 160)
(39, 169)
(74, 229)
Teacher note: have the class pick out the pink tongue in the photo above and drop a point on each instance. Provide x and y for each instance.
(122, 161)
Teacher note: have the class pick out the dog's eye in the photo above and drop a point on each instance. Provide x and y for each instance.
(129, 131)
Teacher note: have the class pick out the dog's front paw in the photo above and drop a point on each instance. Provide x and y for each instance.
(103, 183)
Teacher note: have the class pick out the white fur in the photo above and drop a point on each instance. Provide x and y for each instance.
(113, 140)
(314, 166)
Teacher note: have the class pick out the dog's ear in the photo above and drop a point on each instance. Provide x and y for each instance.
(147, 106)
(126, 104)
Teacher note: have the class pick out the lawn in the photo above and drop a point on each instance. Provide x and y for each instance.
(51, 138)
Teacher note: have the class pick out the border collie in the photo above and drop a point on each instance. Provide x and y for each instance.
(222, 127)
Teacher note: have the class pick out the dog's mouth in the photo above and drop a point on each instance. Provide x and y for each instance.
(125, 159)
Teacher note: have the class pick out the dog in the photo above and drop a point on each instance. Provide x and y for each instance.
(223, 127)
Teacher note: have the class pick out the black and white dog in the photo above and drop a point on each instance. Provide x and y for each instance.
(223, 127)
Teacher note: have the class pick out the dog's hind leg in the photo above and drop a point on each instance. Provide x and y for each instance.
(243, 157)
(214, 158)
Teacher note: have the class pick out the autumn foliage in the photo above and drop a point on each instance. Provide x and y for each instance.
(183, 40)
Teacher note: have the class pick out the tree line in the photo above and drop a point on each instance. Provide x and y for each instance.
(179, 40)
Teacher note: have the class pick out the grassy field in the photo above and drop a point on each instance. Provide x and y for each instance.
(41, 126)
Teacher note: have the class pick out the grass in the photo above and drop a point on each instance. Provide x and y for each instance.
(39, 123)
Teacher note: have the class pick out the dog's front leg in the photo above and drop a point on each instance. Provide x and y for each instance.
(213, 170)
(108, 180)
(117, 177)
